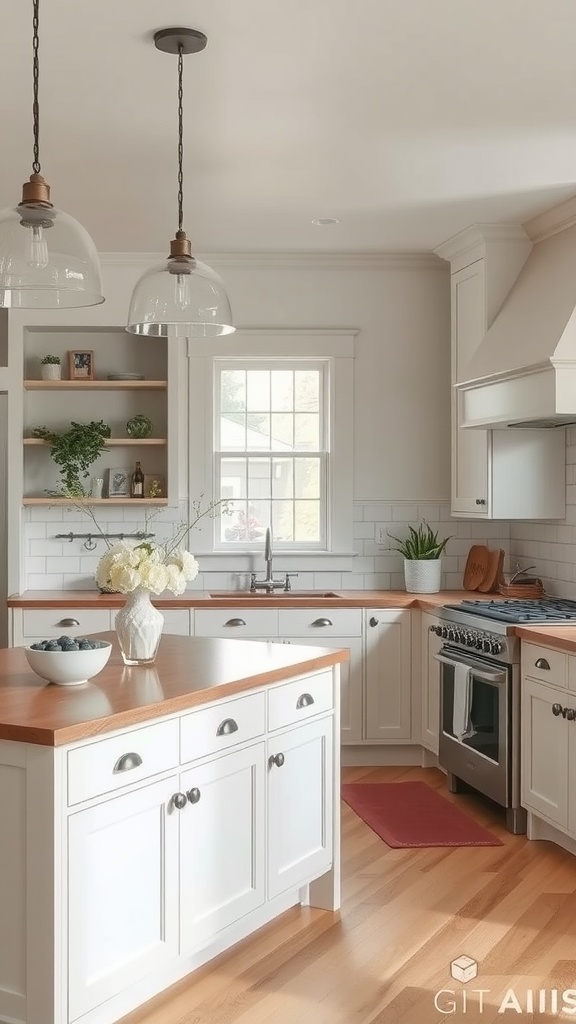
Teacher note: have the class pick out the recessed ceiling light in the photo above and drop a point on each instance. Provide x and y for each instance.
(324, 222)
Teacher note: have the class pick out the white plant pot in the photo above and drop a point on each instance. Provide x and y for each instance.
(51, 371)
(422, 576)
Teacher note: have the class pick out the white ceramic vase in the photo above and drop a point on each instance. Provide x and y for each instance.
(422, 576)
(139, 628)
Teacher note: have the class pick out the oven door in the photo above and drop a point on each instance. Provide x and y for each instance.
(482, 755)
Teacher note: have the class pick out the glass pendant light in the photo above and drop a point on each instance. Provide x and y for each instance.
(47, 259)
(180, 297)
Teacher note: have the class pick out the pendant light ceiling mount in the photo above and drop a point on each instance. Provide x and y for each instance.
(171, 40)
(182, 297)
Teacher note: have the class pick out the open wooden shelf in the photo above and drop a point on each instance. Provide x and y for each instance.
(95, 501)
(110, 441)
(95, 385)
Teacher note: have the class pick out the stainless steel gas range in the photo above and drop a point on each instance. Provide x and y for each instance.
(480, 694)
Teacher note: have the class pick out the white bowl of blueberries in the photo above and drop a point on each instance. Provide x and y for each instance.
(68, 660)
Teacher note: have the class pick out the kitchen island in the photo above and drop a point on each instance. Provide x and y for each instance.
(155, 816)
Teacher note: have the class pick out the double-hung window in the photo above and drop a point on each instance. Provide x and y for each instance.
(270, 427)
(272, 451)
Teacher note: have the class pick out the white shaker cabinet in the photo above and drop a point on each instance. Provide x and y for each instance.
(222, 844)
(388, 675)
(122, 898)
(507, 473)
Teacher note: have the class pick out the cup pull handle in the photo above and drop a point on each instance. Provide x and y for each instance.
(322, 622)
(304, 700)
(542, 663)
(68, 622)
(127, 762)
(235, 622)
(227, 727)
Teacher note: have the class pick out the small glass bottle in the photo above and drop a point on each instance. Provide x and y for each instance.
(137, 482)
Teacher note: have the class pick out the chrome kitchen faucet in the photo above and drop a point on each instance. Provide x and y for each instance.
(269, 584)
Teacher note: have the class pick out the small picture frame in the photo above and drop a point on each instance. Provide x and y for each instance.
(154, 485)
(81, 365)
(118, 483)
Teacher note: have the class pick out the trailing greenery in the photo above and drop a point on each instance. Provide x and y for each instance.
(54, 360)
(74, 451)
(421, 544)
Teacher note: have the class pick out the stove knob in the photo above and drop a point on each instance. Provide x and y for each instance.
(451, 634)
(478, 644)
(444, 632)
(495, 647)
(486, 646)
(469, 639)
(458, 636)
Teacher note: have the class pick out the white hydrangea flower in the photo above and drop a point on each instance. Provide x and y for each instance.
(127, 566)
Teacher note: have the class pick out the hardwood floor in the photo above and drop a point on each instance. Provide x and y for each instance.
(406, 914)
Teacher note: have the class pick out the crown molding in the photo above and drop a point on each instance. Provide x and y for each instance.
(551, 222)
(478, 235)
(290, 260)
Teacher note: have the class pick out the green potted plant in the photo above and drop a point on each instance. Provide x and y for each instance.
(50, 367)
(422, 551)
(74, 451)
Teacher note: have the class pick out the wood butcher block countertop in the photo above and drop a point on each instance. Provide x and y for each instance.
(188, 672)
(203, 599)
(563, 638)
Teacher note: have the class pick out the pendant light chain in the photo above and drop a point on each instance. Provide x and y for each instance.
(35, 80)
(180, 137)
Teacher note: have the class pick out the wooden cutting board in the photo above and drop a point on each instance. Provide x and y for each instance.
(476, 567)
(493, 572)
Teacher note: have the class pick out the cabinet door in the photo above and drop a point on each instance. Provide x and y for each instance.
(544, 752)
(351, 715)
(222, 843)
(122, 893)
(299, 805)
(388, 682)
(470, 448)
(431, 644)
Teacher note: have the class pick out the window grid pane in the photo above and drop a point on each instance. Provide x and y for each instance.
(274, 416)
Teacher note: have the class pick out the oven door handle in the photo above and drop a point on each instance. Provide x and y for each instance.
(480, 673)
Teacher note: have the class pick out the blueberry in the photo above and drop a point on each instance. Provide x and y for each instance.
(63, 639)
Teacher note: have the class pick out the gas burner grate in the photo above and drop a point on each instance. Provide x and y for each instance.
(512, 610)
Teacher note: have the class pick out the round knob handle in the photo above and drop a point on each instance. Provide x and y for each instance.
(374, 622)
(570, 714)
(556, 709)
(193, 795)
(277, 759)
(480, 501)
(179, 800)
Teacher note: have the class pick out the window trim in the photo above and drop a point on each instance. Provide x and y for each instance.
(261, 344)
(324, 365)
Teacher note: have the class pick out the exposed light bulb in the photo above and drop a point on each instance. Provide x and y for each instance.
(36, 251)
(181, 294)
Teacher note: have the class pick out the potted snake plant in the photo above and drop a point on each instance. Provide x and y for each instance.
(422, 551)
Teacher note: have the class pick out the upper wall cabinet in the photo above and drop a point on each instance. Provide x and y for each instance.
(114, 378)
(496, 474)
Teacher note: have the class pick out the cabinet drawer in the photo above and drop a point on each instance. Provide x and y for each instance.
(120, 760)
(545, 664)
(222, 725)
(300, 699)
(236, 622)
(320, 622)
(51, 622)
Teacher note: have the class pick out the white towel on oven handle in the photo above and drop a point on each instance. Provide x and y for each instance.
(462, 706)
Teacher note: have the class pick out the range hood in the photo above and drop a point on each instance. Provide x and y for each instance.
(523, 373)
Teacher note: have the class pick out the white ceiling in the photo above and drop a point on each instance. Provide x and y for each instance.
(408, 120)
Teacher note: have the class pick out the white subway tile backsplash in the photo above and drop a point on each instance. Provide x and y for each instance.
(63, 565)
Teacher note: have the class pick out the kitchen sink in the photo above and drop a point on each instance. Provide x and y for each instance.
(277, 593)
